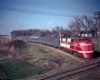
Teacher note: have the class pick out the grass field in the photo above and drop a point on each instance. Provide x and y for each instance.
(17, 69)
(37, 52)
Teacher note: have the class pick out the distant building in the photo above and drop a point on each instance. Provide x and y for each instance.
(4, 39)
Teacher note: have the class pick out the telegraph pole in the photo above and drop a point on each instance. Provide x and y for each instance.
(97, 16)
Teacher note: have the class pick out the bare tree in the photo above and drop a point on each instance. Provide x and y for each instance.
(82, 24)
(75, 26)
(57, 31)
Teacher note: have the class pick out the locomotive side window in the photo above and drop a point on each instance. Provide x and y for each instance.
(72, 40)
(66, 39)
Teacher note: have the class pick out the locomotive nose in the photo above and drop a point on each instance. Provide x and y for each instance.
(87, 55)
(87, 49)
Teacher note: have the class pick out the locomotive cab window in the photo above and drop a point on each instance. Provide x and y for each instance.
(88, 39)
(72, 40)
(81, 39)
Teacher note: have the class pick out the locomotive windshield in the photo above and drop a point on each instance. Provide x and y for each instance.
(86, 38)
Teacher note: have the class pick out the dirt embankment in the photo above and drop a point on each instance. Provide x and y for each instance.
(13, 49)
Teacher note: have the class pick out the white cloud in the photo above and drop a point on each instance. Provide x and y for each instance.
(19, 21)
(50, 23)
(19, 24)
(16, 25)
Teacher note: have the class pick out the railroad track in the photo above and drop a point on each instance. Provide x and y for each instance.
(73, 72)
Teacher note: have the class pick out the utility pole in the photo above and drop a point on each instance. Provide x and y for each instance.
(97, 16)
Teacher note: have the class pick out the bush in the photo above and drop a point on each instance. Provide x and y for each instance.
(18, 44)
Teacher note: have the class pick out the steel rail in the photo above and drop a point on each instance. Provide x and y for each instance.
(72, 72)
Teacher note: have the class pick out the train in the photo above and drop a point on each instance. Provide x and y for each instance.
(79, 46)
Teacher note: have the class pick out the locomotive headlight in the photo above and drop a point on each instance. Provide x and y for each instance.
(85, 55)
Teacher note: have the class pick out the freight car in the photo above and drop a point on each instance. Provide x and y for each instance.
(78, 46)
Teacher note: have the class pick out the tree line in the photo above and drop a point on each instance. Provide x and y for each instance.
(79, 25)
(55, 32)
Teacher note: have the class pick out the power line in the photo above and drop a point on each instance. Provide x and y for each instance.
(97, 15)
(33, 12)
(62, 6)
(57, 6)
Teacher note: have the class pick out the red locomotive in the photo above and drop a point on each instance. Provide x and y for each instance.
(82, 46)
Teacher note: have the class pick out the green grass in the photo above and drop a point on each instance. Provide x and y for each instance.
(37, 52)
(3, 58)
(17, 69)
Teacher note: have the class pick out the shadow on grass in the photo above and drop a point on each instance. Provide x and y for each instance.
(96, 54)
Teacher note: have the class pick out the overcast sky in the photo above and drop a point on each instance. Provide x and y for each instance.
(42, 14)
